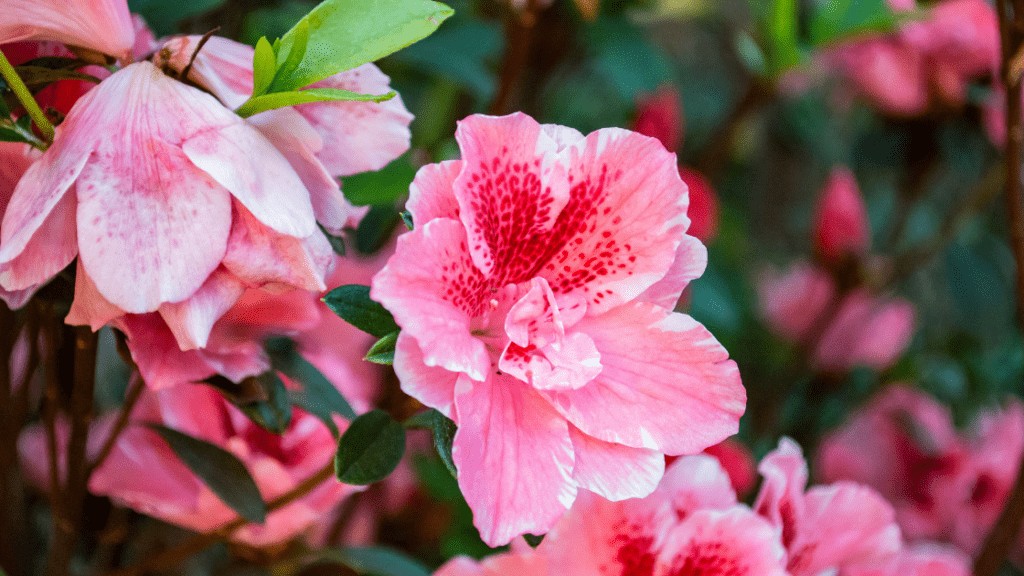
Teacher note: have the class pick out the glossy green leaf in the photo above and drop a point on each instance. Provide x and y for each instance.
(220, 470)
(442, 430)
(370, 449)
(376, 228)
(353, 304)
(383, 351)
(319, 396)
(385, 186)
(344, 34)
(264, 66)
(275, 100)
(273, 411)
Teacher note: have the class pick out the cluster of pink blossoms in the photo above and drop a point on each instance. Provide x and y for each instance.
(945, 485)
(693, 525)
(843, 324)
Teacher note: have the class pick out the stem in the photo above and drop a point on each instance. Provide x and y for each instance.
(518, 40)
(24, 95)
(174, 556)
(75, 483)
(1004, 532)
(134, 392)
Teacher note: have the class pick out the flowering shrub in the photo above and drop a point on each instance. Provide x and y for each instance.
(529, 287)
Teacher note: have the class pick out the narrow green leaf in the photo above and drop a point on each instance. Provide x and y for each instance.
(318, 391)
(385, 186)
(344, 34)
(370, 449)
(220, 470)
(276, 100)
(273, 411)
(353, 304)
(383, 351)
(377, 561)
(264, 66)
(38, 77)
(288, 63)
(443, 432)
(782, 33)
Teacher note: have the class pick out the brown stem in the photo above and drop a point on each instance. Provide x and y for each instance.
(66, 536)
(1004, 532)
(519, 31)
(174, 556)
(132, 395)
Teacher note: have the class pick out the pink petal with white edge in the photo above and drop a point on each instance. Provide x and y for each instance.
(689, 264)
(191, 320)
(50, 250)
(514, 458)
(432, 288)
(843, 524)
(568, 364)
(735, 542)
(614, 471)
(359, 136)
(101, 25)
(666, 384)
(259, 256)
(432, 195)
(511, 191)
(434, 387)
(601, 538)
(152, 231)
(694, 483)
(620, 231)
(781, 499)
(246, 164)
(90, 308)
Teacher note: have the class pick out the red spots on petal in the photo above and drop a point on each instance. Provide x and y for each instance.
(708, 559)
(635, 556)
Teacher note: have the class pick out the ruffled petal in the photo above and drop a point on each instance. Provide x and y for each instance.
(614, 471)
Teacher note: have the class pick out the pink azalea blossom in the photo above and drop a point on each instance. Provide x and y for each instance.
(918, 560)
(322, 140)
(234, 215)
(857, 328)
(903, 444)
(934, 59)
(841, 226)
(144, 474)
(15, 158)
(534, 297)
(102, 25)
(521, 561)
(738, 462)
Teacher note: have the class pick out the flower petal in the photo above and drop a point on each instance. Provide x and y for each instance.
(191, 320)
(49, 251)
(434, 387)
(90, 308)
(101, 25)
(614, 471)
(734, 541)
(431, 194)
(689, 264)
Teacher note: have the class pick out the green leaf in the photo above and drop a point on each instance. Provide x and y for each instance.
(344, 34)
(320, 397)
(220, 470)
(370, 449)
(376, 228)
(353, 304)
(383, 351)
(289, 61)
(533, 540)
(38, 77)
(19, 130)
(443, 432)
(337, 242)
(273, 411)
(264, 66)
(164, 16)
(376, 561)
(838, 19)
(782, 29)
(275, 100)
(383, 187)
(462, 53)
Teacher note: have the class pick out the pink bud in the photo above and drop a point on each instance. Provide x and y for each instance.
(841, 224)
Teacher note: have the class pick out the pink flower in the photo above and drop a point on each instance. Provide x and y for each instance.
(703, 211)
(847, 330)
(659, 116)
(521, 561)
(322, 140)
(841, 227)
(738, 463)
(144, 474)
(934, 59)
(534, 297)
(15, 159)
(101, 25)
(235, 214)
(826, 527)
(918, 560)
(903, 444)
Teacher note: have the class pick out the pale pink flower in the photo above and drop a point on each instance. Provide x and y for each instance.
(534, 297)
(144, 474)
(925, 62)
(904, 445)
(101, 25)
(828, 526)
(847, 330)
(233, 215)
(322, 140)
(918, 560)
(15, 158)
(841, 227)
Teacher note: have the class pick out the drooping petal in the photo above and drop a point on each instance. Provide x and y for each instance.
(191, 320)
(514, 457)
(689, 264)
(712, 542)
(614, 471)
(49, 251)
(155, 351)
(223, 67)
(431, 287)
(90, 308)
(651, 359)
(101, 25)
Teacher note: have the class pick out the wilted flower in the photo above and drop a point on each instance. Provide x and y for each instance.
(535, 301)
